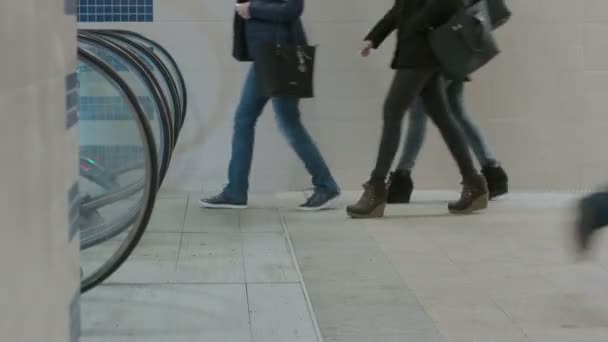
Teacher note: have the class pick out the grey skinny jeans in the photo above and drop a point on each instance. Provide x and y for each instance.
(416, 130)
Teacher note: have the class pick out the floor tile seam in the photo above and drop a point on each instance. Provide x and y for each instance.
(119, 284)
(406, 286)
(183, 225)
(302, 284)
(484, 294)
(181, 239)
(511, 319)
(244, 267)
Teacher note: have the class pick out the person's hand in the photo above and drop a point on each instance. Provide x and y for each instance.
(366, 49)
(242, 10)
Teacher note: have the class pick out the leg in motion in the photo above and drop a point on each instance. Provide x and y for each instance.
(474, 193)
(326, 189)
(495, 175)
(400, 182)
(248, 111)
(406, 85)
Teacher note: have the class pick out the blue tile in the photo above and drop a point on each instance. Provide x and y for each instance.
(115, 10)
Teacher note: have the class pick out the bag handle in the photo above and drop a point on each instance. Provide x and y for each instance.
(479, 21)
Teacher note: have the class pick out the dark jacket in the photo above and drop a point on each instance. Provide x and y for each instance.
(271, 21)
(413, 19)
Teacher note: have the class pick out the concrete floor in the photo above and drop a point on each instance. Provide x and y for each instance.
(418, 275)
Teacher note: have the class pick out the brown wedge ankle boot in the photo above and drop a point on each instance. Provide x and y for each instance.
(474, 196)
(372, 202)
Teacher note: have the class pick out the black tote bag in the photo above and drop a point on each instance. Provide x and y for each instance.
(465, 43)
(285, 69)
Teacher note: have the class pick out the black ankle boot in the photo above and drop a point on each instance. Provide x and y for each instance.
(474, 196)
(497, 179)
(372, 202)
(400, 187)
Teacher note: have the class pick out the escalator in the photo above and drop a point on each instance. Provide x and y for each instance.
(132, 105)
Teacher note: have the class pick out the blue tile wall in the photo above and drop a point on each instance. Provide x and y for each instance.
(106, 108)
(115, 10)
(113, 61)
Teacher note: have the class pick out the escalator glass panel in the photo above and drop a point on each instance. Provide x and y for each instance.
(115, 172)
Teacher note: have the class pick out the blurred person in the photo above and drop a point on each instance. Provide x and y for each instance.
(417, 75)
(258, 22)
(400, 182)
(592, 217)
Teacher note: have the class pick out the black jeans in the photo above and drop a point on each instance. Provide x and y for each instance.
(428, 83)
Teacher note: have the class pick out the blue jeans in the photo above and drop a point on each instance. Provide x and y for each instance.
(287, 111)
(416, 130)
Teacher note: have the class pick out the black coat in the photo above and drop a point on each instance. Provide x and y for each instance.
(271, 20)
(413, 19)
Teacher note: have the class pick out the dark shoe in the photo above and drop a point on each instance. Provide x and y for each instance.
(372, 202)
(320, 200)
(590, 220)
(474, 196)
(400, 187)
(222, 201)
(497, 179)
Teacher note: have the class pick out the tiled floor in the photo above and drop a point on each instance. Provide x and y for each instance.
(201, 275)
(418, 275)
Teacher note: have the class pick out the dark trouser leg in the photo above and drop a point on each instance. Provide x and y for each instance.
(479, 145)
(414, 137)
(407, 84)
(434, 98)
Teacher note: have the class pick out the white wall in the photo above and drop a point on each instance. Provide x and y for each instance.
(540, 103)
(39, 266)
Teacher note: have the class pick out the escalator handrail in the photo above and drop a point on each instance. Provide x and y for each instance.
(151, 83)
(152, 180)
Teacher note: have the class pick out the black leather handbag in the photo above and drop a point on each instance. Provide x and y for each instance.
(465, 43)
(285, 70)
(499, 12)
